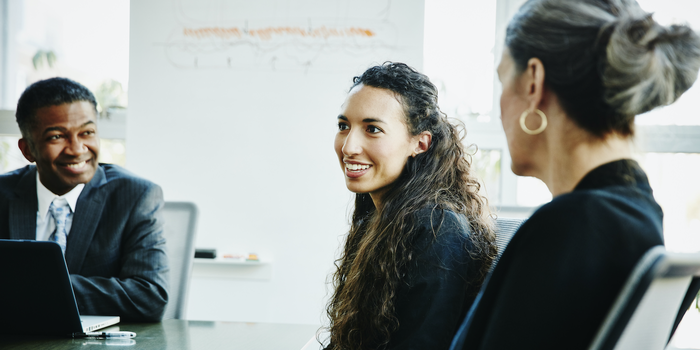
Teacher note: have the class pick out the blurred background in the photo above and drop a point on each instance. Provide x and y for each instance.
(89, 41)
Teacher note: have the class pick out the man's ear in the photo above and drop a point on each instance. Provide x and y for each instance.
(26, 150)
(424, 140)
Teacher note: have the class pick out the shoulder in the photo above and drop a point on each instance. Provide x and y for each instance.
(115, 175)
(441, 232)
(10, 180)
(436, 217)
(16, 174)
(115, 172)
(600, 219)
(120, 185)
(442, 223)
(599, 209)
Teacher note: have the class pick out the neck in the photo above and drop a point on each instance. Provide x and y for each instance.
(575, 157)
(377, 199)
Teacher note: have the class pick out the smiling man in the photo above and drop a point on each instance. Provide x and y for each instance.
(106, 220)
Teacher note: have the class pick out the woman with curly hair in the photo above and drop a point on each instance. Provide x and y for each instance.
(421, 239)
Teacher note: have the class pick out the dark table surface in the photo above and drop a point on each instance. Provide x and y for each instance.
(180, 334)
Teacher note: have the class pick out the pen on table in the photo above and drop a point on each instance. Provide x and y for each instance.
(109, 334)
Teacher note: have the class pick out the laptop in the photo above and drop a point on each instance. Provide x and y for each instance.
(36, 295)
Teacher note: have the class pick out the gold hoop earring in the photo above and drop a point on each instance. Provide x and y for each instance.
(538, 130)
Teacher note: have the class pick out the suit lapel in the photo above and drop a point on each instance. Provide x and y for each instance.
(24, 207)
(88, 211)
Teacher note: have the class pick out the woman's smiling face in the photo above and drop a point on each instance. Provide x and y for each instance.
(373, 143)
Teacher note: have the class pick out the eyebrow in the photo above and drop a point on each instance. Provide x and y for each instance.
(60, 128)
(366, 120)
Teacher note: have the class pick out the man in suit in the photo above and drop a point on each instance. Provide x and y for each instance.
(107, 221)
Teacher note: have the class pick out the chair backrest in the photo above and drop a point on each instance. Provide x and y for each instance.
(690, 297)
(644, 313)
(180, 224)
(505, 229)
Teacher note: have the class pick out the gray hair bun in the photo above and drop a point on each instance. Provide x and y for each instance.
(606, 60)
(648, 65)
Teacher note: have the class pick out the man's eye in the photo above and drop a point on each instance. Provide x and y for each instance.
(343, 126)
(88, 133)
(54, 137)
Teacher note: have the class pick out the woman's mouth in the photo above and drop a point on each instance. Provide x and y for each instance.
(356, 170)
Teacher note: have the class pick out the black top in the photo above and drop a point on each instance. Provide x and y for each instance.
(436, 291)
(563, 269)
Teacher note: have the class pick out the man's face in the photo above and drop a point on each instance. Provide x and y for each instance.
(64, 145)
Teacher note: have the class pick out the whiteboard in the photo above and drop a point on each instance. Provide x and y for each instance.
(233, 106)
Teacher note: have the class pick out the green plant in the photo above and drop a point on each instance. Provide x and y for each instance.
(109, 95)
(42, 56)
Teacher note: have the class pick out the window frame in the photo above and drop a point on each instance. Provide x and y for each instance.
(490, 135)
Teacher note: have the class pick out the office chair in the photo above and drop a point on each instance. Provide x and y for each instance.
(687, 301)
(654, 296)
(505, 229)
(180, 223)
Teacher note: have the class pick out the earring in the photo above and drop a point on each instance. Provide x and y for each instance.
(538, 130)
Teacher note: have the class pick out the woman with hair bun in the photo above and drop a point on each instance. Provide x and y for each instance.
(420, 241)
(574, 74)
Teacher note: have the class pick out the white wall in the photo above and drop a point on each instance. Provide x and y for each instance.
(243, 126)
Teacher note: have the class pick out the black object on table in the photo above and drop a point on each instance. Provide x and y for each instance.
(205, 253)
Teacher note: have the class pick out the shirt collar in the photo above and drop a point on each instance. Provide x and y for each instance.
(45, 196)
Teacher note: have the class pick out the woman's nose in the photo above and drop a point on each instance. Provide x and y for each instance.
(352, 144)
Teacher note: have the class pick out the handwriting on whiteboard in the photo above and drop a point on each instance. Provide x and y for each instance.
(269, 32)
(279, 47)
(275, 35)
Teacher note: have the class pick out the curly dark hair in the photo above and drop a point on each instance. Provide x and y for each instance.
(378, 246)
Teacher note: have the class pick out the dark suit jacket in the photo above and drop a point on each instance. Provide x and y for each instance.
(564, 267)
(115, 251)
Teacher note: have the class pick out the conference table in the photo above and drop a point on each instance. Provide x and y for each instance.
(180, 334)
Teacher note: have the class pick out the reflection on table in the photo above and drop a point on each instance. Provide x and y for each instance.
(181, 334)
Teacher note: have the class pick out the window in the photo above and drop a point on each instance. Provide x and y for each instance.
(668, 138)
(87, 41)
(461, 69)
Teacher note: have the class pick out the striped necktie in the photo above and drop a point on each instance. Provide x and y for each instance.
(60, 211)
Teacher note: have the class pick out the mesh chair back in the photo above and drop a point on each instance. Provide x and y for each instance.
(180, 223)
(505, 229)
(644, 313)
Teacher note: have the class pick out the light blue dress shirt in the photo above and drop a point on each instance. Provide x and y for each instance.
(45, 224)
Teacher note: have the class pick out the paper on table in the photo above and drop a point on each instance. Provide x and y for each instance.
(313, 344)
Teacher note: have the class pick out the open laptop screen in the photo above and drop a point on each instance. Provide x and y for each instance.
(36, 296)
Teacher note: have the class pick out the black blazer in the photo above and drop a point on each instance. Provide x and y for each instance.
(115, 251)
(439, 284)
(563, 269)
